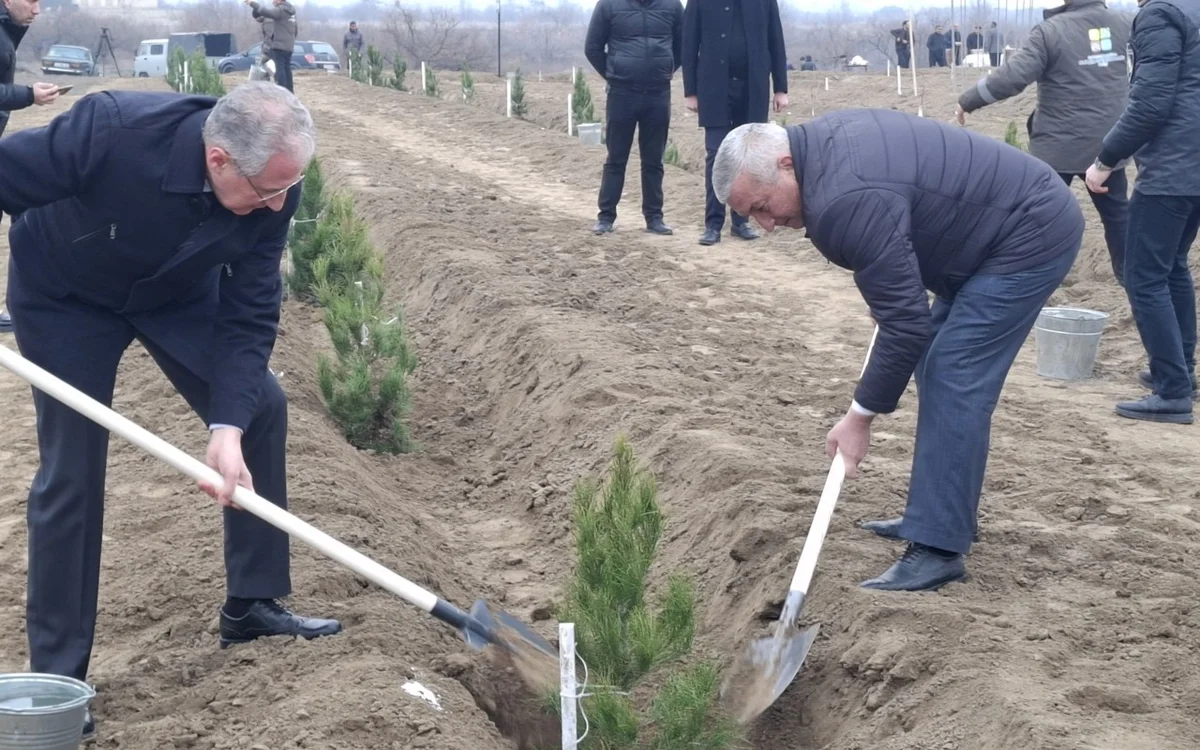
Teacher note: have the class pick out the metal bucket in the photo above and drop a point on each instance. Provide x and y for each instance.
(1068, 340)
(590, 133)
(42, 711)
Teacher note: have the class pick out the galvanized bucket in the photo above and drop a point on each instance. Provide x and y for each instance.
(42, 711)
(1068, 341)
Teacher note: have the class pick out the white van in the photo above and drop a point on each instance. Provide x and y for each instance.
(151, 58)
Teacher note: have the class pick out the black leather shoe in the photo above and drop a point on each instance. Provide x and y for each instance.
(1147, 381)
(656, 226)
(710, 237)
(602, 227)
(744, 231)
(1155, 408)
(920, 568)
(890, 529)
(5, 322)
(267, 617)
(89, 727)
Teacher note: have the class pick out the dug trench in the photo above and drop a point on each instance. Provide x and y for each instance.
(726, 366)
(539, 343)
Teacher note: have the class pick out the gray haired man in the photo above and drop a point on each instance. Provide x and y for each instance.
(912, 206)
(160, 218)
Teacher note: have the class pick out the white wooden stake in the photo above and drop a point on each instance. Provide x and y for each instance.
(826, 83)
(364, 330)
(350, 66)
(187, 77)
(899, 79)
(912, 44)
(508, 98)
(567, 686)
(570, 113)
(889, 67)
(424, 86)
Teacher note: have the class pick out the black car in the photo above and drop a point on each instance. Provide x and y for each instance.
(307, 55)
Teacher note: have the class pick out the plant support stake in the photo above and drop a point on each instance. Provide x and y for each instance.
(567, 687)
(570, 113)
(508, 97)
(424, 81)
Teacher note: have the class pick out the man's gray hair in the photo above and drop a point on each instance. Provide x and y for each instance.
(257, 120)
(753, 150)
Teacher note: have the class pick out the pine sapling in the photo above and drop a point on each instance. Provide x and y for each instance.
(468, 84)
(399, 69)
(374, 66)
(519, 107)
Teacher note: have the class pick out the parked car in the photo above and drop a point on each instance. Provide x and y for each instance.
(216, 45)
(306, 55)
(151, 59)
(65, 59)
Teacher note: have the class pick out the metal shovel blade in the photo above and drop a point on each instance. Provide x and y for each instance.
(503, 628)
(768, 668)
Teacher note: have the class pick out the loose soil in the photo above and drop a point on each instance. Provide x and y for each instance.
(725, 366)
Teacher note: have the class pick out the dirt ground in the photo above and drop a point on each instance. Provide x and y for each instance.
(726, 366)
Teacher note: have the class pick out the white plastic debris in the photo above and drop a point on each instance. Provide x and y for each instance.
(422, 692)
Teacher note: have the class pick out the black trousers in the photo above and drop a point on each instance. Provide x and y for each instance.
(739, 114)
(1113, 208)
(82, 345)
(283, 67)
(649, 112)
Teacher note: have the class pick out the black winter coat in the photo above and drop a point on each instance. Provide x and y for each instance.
(12, 96)
(706, 25)
(636, 45)
(1160, 126)
(911, 204)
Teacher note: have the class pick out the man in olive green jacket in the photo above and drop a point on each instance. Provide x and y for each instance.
(1077, 57)
(282, 39)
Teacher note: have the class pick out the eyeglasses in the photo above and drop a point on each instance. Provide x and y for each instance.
(267, 197)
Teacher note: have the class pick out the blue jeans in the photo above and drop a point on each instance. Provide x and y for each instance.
(976, 337)
(1159, 285)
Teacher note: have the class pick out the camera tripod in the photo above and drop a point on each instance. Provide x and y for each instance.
(105, 43)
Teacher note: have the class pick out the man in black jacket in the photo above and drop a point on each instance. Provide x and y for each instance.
(15, 19)
(911, 206)
(636, 46)
(1160, 128)
(734, 71)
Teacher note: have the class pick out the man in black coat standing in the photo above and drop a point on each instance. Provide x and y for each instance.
(912, 206)
(733, 59)
(15, 18)
(636, 46)
(1160, 129)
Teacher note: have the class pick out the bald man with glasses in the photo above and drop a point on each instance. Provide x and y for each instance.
(160, 218)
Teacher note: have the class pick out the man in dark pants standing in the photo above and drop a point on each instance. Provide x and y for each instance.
(161, 218)
(1082, 87)
(16, 16)
(911, 206)
(636, 46)
(733, 56)
(1160, 129)
(281, 39)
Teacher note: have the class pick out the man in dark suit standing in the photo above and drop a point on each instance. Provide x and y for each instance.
(635, 45)
(162, 218)
(733, 57)
(16, 16)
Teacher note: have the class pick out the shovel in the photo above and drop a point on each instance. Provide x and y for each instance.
(479, 628)
(770, 664)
